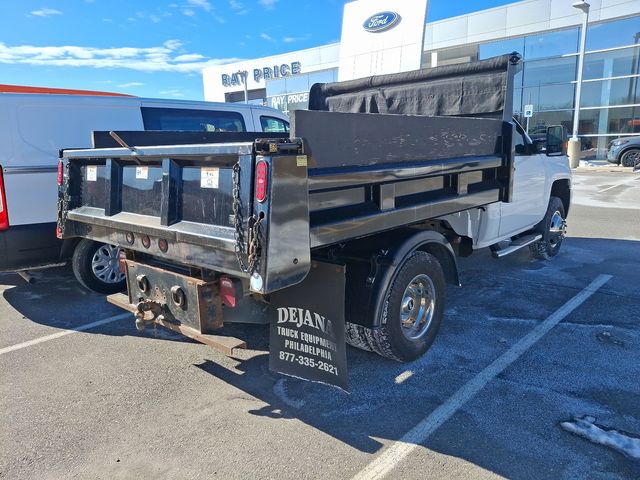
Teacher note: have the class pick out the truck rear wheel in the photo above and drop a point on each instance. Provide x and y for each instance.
(412, 309)
(553, 229)
(95, 266)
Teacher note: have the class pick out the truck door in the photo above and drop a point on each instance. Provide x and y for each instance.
(529, 189)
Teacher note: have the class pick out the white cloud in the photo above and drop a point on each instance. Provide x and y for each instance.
(295, 39)
(130, 84)
(172, 93)
(168, 57)
(203, 4)
(46, 12)
(238, 7)
(268, 4)
(189, 57)
(266, 37)
(188, 12)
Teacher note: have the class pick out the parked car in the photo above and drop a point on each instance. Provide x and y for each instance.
(36, 122)
(625, 151)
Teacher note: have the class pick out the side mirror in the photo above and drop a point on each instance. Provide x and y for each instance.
(556, 140)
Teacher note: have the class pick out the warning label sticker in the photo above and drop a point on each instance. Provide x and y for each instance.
(209, 177)
(92, 173)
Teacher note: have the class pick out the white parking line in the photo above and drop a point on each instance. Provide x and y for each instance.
(394, 454)
(619, 184)
(53, 336)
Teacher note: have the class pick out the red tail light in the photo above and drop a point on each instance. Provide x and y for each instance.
(262, 176)
(60, 172)
(4, 215)
(228, 292)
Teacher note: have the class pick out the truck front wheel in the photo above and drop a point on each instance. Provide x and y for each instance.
(412, 309)
(95, 266)
(553, 229)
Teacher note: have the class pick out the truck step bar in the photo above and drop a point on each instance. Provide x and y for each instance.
(515, 245)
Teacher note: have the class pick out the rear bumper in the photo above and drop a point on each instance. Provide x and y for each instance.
(29, 246)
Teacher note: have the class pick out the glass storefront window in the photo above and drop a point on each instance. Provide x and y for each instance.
(501, 47)
(549, 97)
(517, 100)
(292, 93)
(276, 87)
(620, 91)
(613, 34)
(615, 63)
(462, 54)
(551, 44)
(325, 76)
(299, 83)
(553, 70)
(541, 120)
(609, 120)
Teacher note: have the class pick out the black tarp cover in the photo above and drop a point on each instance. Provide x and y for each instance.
(471, 89)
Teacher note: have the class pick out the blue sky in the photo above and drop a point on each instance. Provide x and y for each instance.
(158, 48)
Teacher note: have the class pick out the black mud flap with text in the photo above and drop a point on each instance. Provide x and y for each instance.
(307, 329)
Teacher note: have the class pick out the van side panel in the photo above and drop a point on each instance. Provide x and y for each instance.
(38, 126)
(41, 127)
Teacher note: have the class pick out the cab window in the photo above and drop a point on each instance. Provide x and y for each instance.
(192, 120)
(521, 140)
(274, 125)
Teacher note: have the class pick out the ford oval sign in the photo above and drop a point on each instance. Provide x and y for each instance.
(381, 21)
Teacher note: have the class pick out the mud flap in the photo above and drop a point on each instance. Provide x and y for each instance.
(307, 327)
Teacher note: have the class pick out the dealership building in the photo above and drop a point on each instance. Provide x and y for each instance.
(389, 36)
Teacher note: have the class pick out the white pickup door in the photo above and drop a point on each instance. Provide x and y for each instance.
(530, 194)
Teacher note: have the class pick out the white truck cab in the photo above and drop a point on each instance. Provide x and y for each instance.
(541, 183)
(36, 123)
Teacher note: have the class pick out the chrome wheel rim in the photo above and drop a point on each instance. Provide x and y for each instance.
(105, 266)
(417, 307)
(557, 229)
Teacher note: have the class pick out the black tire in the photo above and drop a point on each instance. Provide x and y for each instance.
(391, 339)
(549, 245)
(89, 277)
(630, 158)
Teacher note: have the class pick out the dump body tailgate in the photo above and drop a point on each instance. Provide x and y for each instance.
(193, 205)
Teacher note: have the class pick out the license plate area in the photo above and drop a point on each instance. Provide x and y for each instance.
(183, 299)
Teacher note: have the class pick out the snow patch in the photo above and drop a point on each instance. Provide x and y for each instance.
(280, 391)
(595, 163)
(586, 428)
(403, 377)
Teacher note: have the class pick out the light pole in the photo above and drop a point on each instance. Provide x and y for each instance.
(243, 74)
(574, 142)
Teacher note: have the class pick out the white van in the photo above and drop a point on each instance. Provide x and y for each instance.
(36, 123)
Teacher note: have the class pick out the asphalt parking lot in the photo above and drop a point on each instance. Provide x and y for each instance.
(525, 346)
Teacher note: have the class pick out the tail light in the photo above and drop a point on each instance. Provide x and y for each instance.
(230, 291)
(60, 172)
(4, 215)
(262, 176)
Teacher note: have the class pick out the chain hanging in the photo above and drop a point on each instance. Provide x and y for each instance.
(253, 233)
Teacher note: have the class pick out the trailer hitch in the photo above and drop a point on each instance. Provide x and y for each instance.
(155, 309)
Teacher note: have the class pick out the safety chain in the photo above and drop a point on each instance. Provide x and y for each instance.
(254, 229)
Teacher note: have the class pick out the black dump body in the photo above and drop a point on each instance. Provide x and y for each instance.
(370, 156)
